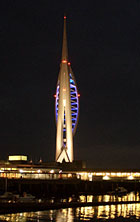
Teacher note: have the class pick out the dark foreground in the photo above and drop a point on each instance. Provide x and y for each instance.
(35, 206)
(118, 213)
(86, 208)
(118, 219)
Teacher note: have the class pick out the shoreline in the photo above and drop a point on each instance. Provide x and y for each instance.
(6, 208)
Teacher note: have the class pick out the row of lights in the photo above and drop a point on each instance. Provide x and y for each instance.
(108, 176)
(105, 176)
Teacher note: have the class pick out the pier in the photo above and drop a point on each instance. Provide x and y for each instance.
(64, 188)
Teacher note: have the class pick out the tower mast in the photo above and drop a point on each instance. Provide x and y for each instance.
(63, 105)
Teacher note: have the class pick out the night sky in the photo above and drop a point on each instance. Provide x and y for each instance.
(104, 51)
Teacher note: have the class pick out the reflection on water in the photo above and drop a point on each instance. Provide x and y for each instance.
(108, 198)
(110, 212)
(82, 213)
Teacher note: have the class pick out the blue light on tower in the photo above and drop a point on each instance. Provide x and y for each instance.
(74, 102)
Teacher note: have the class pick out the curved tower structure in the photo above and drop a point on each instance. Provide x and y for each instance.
(66, 106)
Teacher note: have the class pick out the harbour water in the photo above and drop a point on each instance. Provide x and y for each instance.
(120, 212)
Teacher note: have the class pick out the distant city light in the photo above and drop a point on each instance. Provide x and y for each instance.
(106, 177)
(69, 175)
(130, 177)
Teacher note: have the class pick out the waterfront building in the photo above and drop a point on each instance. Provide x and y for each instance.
(17, 169)
(66, 106)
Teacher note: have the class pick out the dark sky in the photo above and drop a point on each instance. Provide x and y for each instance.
(104, 50)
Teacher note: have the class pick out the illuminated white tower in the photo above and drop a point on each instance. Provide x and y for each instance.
(66, 106)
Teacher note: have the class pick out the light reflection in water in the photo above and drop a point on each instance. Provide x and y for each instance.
(110, 211)
(82, 213)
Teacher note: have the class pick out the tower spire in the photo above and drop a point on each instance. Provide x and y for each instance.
(64, 46)
(66, 107)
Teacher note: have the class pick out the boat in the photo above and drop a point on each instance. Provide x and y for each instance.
(121, 191)
(118, 191)
(8, 196)
(26, 198)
